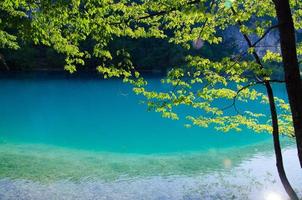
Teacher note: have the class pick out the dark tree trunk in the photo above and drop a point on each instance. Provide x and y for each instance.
(3, 62)
(278, 153)
(291, 67)
(279, 160)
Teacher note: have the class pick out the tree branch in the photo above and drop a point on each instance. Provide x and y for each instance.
(159, 13)
(265, 33)
(246, 87)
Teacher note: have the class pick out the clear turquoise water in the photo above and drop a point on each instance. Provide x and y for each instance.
(92, 139)
(100, 116)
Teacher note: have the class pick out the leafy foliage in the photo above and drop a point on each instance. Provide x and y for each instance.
(200, 81)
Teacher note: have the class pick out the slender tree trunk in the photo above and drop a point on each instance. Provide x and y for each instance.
(291, 68)
(3, 62)
(279, 160)
(278, 153)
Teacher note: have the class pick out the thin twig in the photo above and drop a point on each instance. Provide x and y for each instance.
(159, 13)
(265, 33)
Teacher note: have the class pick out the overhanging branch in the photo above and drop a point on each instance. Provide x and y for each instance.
(159, 13)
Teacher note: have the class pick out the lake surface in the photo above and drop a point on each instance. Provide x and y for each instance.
(58, 135)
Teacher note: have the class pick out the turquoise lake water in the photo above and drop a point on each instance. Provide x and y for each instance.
(57, 129)
(99, 115)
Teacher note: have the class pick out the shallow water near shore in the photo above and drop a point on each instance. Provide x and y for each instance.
(92, 139)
